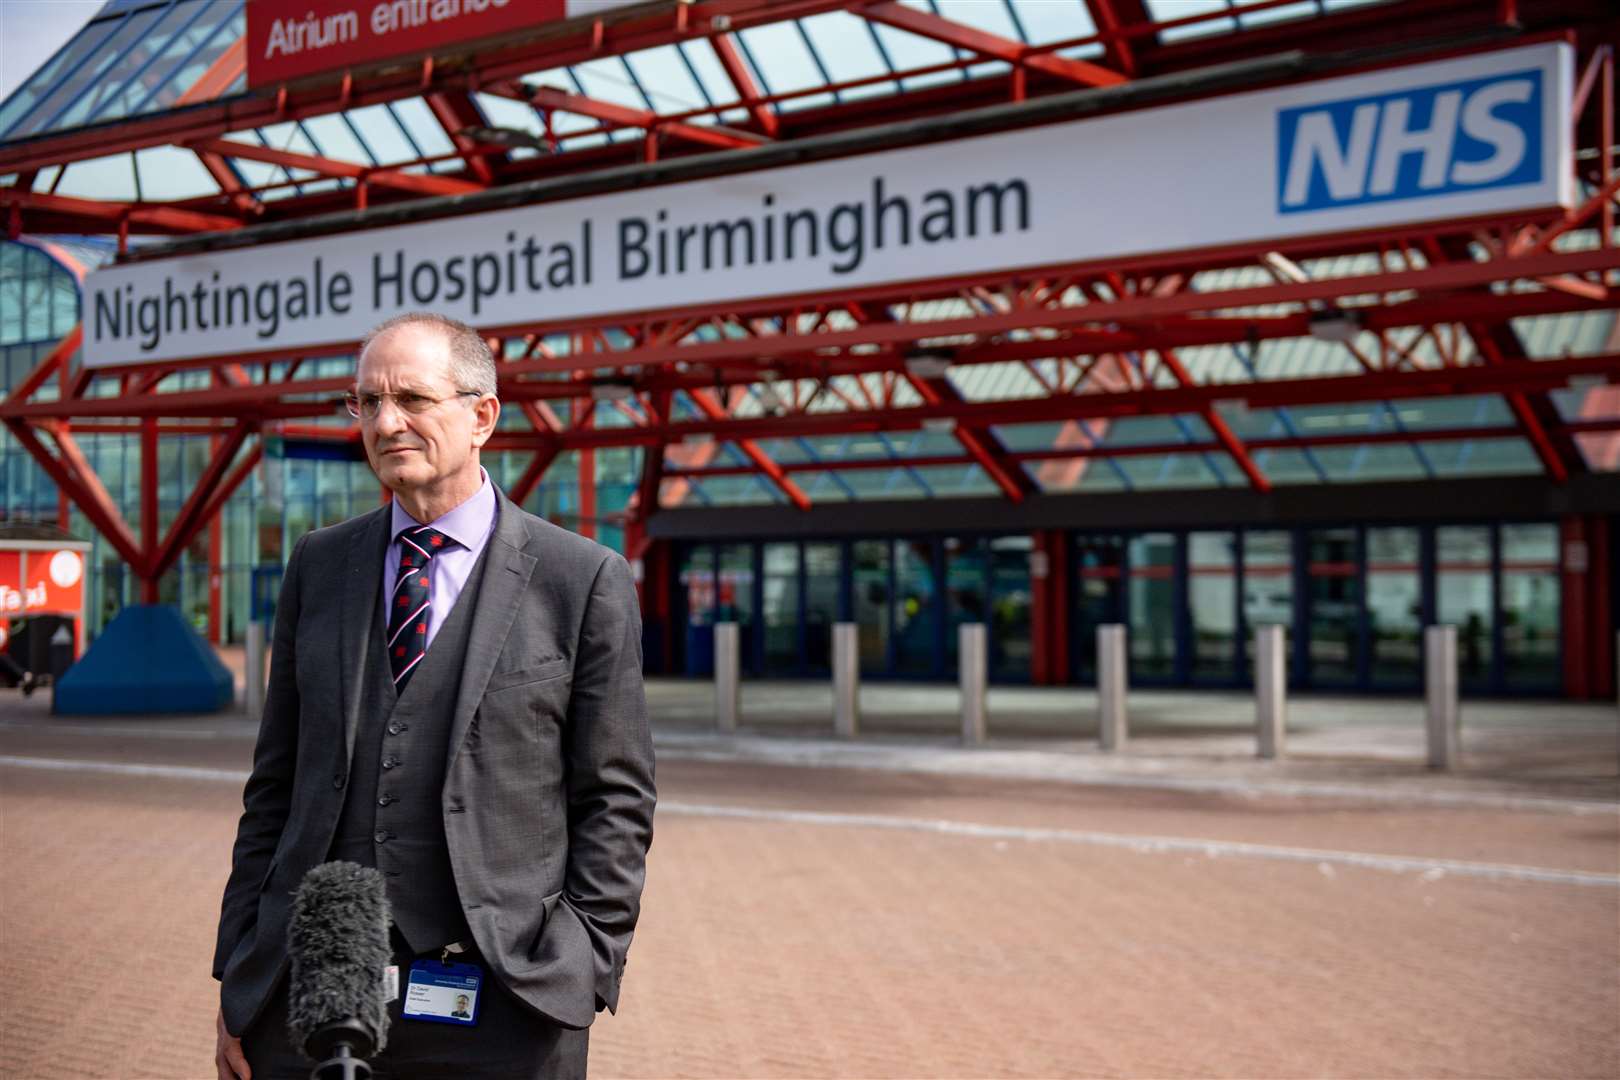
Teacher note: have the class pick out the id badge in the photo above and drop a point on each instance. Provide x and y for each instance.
(443, 993)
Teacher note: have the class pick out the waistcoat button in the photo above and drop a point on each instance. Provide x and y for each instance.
(384, 800)
(391, 762)
(381, 836)
(338, 780)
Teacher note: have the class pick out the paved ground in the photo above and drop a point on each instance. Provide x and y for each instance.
(906, 907)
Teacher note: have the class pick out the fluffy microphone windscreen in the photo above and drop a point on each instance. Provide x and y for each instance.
(338, 944)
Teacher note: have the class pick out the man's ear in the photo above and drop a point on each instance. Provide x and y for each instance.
(485, 413)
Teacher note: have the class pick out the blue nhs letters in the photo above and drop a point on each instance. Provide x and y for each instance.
(1431, 140)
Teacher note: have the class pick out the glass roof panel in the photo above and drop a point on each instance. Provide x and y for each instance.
(1165, 10)
(956, 480)
(424, 129)
(710, 74)
(991, 16)
(336, 139)
(792, 67)
(217, 30)
(606, 80)
(129, 81)
(667, 79)
(1057, 20)
(377, 129)
(168, 173)
(907, 50)
(24, 101)
(100, 178)
(87, 74)
(503, 112)
(1371, 461)
(1483, 457)
(848, 52)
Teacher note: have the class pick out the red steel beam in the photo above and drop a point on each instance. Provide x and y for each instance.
(982, 446)
(72, 474)
(190, 520)
(751, 450)
(1135, 309)
(49, 365)
(456, 111)
(158, 215)
(220, 75)
(1318, 390)
(547, 97)
(928, 25)
(530, 479)
(726, 51)
(416, 183)
(322, 95)
(1062, 453)
(1223, 433)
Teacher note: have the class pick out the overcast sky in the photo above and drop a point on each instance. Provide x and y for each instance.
(31, 30)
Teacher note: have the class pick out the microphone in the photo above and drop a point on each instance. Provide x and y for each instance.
(337, 940)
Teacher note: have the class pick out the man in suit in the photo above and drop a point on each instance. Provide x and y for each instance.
(456, 699)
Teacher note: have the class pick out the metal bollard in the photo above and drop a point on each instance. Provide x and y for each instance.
(972, 654)
(253, 670)
(1111, 729)
(727, 676)
(1440, 688)
(1270, 689)
(846, 665)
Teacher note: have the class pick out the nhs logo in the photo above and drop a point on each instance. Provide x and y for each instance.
(1433, 140)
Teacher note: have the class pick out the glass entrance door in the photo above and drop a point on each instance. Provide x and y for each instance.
(1212, 604)
(1099, 581)
(1334, 616)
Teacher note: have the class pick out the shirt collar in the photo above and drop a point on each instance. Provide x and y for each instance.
(468, 524)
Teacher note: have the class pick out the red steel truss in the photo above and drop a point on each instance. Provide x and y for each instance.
(1099, 341)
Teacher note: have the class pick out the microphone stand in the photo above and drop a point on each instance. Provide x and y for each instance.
(340, 1048)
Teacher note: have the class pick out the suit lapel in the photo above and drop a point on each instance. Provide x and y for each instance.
(507, 569)
(368, 547)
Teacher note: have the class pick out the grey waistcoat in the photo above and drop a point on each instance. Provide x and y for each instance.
(392, 817)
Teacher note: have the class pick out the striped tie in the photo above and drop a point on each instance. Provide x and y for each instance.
(412, 605)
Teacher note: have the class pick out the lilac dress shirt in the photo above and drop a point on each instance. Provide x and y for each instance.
(469, 525)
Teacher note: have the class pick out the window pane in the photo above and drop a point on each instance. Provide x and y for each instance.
(1153, 623)
(1212, 596)
(1098, 581)
(1394, 605)
(871, 580)
(916, 615)
(1010, 644)
(1463, 596)
(1335, 602)
(781, 609)
(1268, 585)
(1530, 606)
(821, 583)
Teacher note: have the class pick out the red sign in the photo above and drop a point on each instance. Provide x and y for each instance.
(287, 39)
(41, 583)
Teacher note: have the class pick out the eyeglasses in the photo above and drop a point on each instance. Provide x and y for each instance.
(367, 406)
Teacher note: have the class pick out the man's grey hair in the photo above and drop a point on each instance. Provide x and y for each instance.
(472, 365)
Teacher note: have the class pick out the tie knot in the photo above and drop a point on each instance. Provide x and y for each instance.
(419, 543)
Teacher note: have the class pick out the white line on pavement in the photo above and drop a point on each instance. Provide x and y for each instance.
(1430, 868)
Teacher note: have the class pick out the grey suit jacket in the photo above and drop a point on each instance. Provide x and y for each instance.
(548, 791)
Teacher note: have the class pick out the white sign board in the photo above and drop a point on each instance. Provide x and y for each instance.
(1488, 133)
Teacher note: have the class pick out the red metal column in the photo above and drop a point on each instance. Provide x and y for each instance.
(1575, 583)
(1049, 613)
(145, 570)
